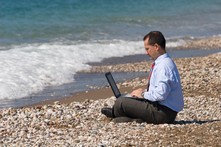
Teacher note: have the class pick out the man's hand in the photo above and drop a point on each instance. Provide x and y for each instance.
(137, 93)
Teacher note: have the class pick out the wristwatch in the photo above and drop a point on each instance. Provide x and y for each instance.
(142, 94)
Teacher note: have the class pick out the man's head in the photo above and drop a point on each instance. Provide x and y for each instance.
(155, 44)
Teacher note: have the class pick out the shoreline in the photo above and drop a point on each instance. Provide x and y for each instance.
(96, 71)
(192, 48)
(188, 85)
(95, 94)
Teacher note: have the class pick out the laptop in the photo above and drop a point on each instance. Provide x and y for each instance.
(114, 87)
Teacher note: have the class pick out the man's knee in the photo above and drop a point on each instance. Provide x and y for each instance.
(119, 107)
(119, 102)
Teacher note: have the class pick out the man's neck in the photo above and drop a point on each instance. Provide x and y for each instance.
(159, 56)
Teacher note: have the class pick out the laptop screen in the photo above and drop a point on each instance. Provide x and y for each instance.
(113, 85)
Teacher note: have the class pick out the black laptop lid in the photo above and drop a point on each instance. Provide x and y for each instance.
(113, 85)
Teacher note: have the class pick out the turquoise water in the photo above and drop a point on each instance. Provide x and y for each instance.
(29, 21)
(44, 43)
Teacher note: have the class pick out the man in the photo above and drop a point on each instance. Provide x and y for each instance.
(162, 99)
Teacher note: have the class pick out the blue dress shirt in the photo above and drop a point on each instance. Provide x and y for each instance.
(165, 85)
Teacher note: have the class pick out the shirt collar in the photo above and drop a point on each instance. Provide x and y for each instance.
(161, 57)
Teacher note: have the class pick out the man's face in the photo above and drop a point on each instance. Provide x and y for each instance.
(151, 50)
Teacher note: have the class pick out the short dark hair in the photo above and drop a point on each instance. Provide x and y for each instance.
(156, 37)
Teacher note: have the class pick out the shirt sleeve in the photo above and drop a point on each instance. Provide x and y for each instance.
(160, 85)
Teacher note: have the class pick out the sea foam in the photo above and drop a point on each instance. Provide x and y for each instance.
(29, 68)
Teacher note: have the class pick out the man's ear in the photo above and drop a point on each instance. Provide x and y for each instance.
(156, 46)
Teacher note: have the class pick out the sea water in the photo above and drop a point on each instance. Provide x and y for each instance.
(45, 43)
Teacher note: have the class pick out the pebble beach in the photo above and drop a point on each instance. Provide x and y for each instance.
(80, 123)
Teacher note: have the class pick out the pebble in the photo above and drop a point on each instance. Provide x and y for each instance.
(200, 122)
